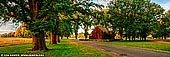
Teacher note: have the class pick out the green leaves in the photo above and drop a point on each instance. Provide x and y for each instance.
(37, 25)
(134, 15)
(65, 28)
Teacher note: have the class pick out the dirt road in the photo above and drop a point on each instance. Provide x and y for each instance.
(122, 51)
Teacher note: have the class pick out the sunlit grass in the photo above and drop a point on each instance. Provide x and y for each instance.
(63, 49)
(142, 44)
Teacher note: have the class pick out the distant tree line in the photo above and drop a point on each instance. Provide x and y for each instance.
(20, 32)
(11, 34)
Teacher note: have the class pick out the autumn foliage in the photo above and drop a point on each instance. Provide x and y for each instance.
(21, 31)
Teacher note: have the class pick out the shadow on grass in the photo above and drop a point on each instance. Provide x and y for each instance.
(50, 49)
(15, 44)
(142, 40)
(133, 41)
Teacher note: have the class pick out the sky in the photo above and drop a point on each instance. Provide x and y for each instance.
(164, 3)
(9, 27)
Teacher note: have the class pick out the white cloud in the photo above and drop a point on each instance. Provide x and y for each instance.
(166, 6)
(82, 30)
(7, 27)
(164, 3)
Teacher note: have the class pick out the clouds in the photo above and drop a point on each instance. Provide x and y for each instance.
(5, 31)
(166, 6)
(7, 27)
(164, 3)
(102, 2)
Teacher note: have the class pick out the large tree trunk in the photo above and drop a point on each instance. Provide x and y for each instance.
(57, 34)
(57, 38)
(126, 36)
(52, 38)
(162, 37)
(85, 37)
(67, 37)
(133, 35)
(129, 37)
(61, 37)
(144, 34)
(165, 36)
(76, 36)
(76, 33)
(113, 33)
(86, 33)
(121, 32)
(38, 42)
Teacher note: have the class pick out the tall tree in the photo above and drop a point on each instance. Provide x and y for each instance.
(165, 25)
(134, 16)
(86, 14)
(35, 14)
(76, 23)
(60, 10)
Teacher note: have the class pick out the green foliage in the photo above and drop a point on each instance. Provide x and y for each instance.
(86, 34)
(42, 25)
(165, 21)
(48, 14)
(65, 28)
(23, 11)
(84, 15)
(134, 16)
(27, 34)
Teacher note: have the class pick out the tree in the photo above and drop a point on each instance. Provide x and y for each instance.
(65, 28)
(21, 31)
(76, 22)
(134, 16)
(39, 16)
(165, 25)
(33, 13)
(71, 8)
(86, 15)
(62, 16)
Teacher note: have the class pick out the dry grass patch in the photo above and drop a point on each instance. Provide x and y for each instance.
(11, 41)
(74, 43)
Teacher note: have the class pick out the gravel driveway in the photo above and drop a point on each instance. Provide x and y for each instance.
(122, 51)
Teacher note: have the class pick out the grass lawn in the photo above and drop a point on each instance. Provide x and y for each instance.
(147, 45)
(63, 49)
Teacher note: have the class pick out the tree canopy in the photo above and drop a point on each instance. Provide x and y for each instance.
(44, 15)
(134, 16)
